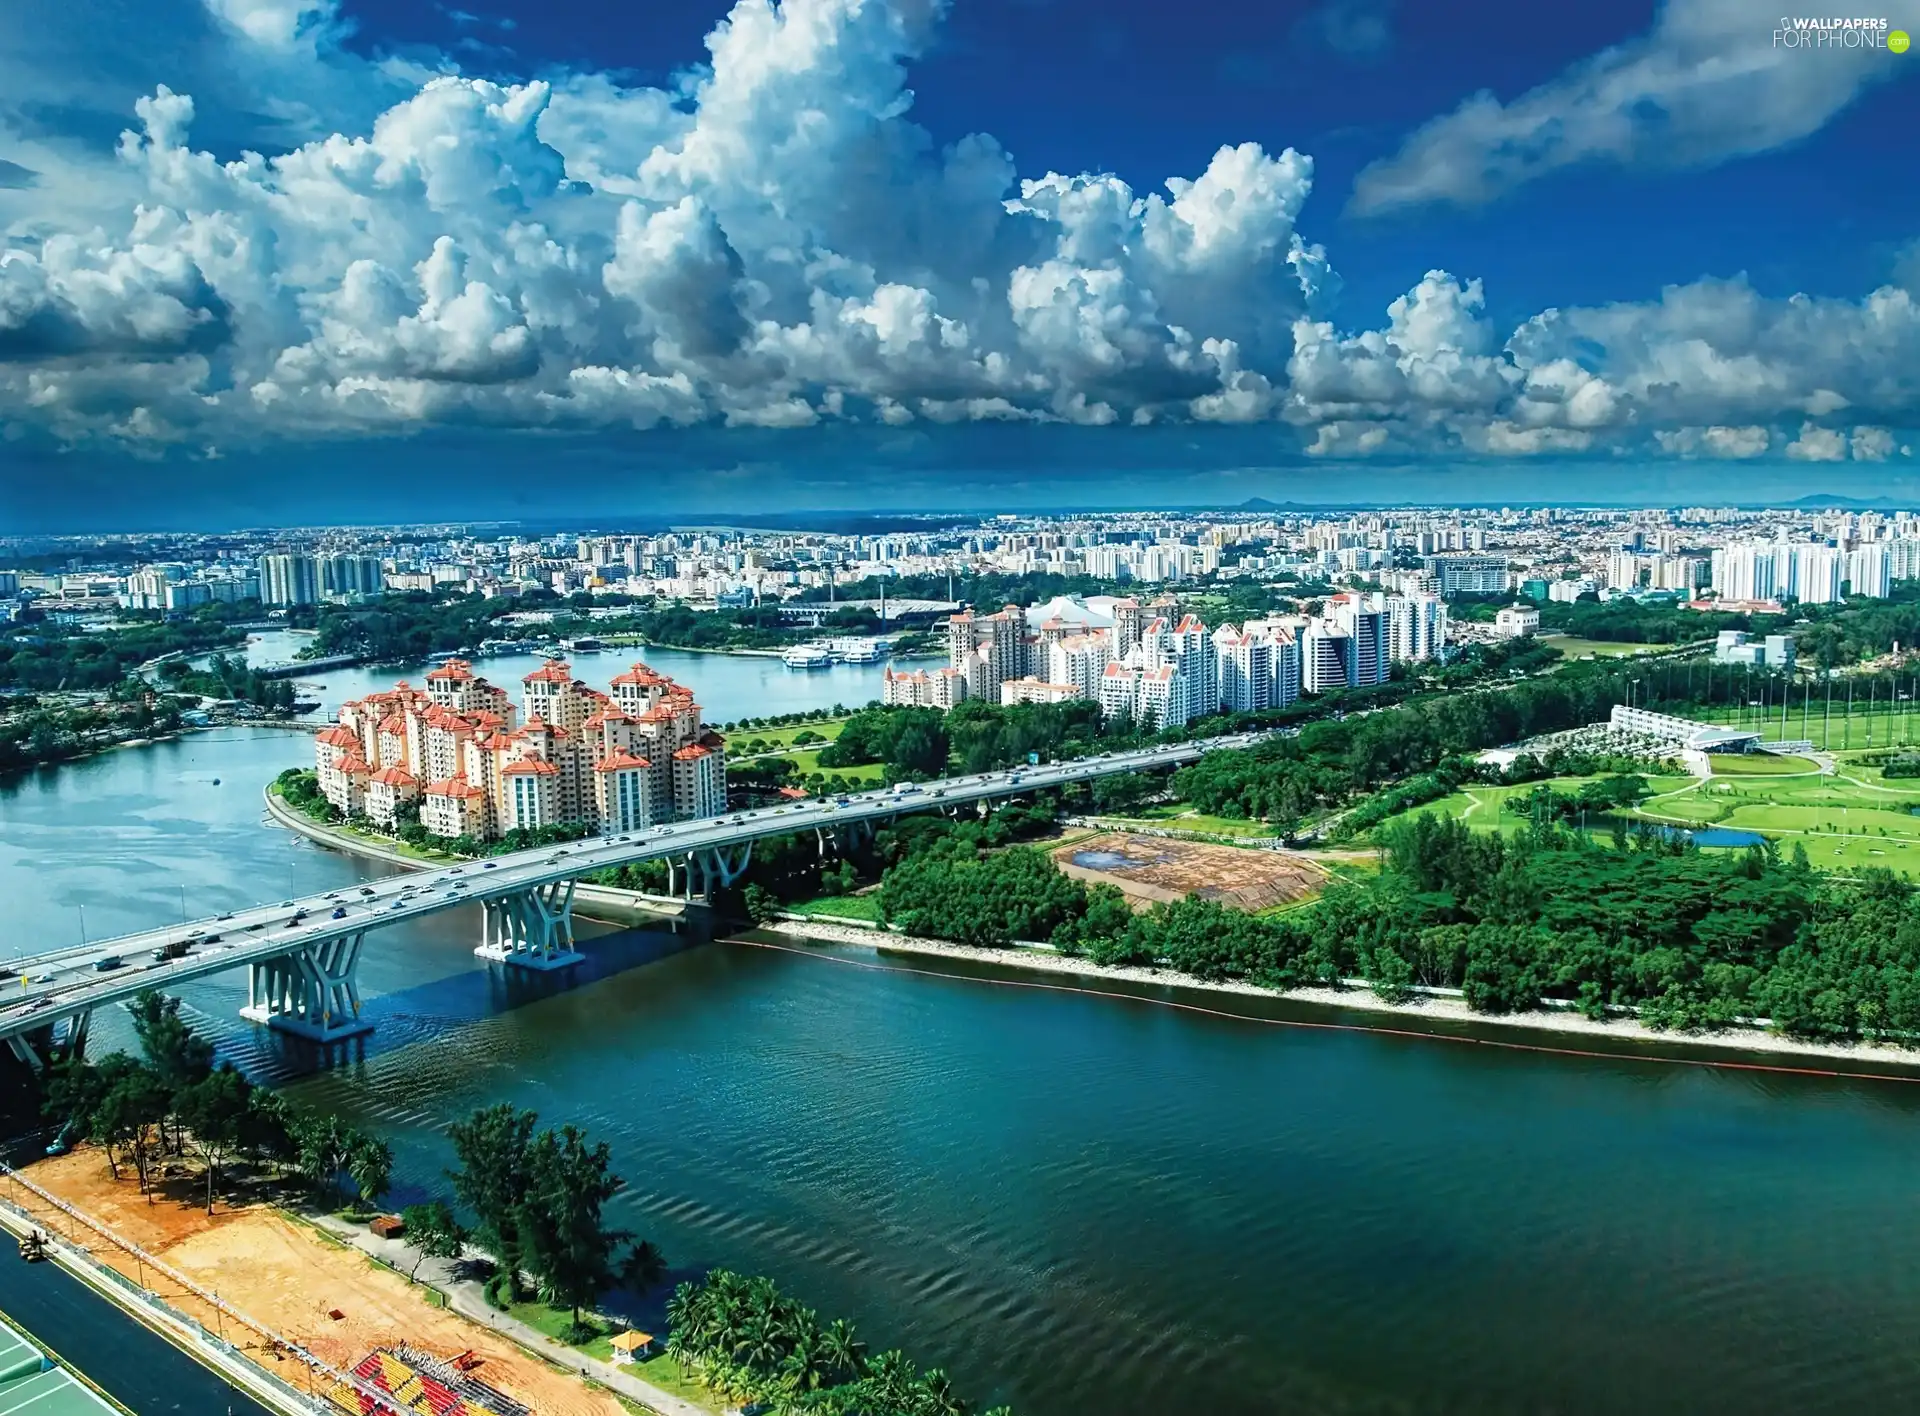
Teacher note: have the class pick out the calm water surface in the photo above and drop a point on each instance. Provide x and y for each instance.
(728, 686)
(1080, 1203)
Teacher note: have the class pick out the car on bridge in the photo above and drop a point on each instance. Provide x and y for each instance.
(339, 912)
(107, 963)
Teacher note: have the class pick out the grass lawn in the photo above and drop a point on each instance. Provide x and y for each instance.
(668, 1373)
(1842, 824)
(1890, 789)
(1484, 808)
(1834, 732)
(1179, 816)
(808, 762)
(1761, 764)
(1575, 648)
(865, 907)
(742, 741)
(554, 1322)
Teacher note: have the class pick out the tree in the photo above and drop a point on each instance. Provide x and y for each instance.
(214, 1111)
(491, 1146)
(179, 1055)
(324, 1148)
(73, 1091)
(760, 904)
(369, 1164)
(268, 1131)
(843, 1351)
(568, 1245)
(434, 1231)
(133, 1103)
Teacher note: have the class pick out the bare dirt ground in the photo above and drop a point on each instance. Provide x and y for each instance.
(285, 1276)
(1150, 868)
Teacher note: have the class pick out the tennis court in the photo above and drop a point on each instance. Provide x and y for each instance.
(30, 1385)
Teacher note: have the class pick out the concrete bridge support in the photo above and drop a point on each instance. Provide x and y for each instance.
(698, 873)
(311, 992)
(55, 1043)
(531, 930)
(835, 839)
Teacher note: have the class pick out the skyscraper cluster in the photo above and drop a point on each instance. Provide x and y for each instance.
(1154, 664)
(471, 764)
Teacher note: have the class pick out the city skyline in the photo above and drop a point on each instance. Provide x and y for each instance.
(851, 254)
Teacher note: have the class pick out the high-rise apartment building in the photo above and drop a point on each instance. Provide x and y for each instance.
(1416, 628)
(352, 575)
(987, 649)
(1362, 620)
(1467, 575)
(632, 758)
(289, 579)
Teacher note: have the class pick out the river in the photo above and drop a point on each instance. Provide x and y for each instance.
(1079, 1203)
(727, 686)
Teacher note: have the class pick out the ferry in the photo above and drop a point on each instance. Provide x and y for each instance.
(808, 656)
(856, 650)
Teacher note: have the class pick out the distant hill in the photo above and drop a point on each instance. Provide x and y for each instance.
(1816, 501)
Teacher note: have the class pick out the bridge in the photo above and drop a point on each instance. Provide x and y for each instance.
(303, 954)
(301, 668)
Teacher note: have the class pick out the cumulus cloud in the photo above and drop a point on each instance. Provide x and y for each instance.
(775, 245)
(1816, 444)
(1718, 441)
(1706, 84)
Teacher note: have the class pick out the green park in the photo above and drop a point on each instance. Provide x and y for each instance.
(1844, 811)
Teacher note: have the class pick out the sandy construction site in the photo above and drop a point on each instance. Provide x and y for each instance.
(288, 1277)
(1150, 868)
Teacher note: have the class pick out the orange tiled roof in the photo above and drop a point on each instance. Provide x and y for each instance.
(620, 762)
(690, 754)
(395, 776)
(530, 766)
(553, 671)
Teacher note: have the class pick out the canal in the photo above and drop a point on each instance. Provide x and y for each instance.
(1079, 1203)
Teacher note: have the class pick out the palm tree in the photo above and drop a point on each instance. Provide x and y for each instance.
(761, 1345)
(938, 1397)
(803, 1370)
(893, 1377)
(843, 1351)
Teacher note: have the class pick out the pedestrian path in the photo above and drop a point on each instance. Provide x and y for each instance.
(464, 1297)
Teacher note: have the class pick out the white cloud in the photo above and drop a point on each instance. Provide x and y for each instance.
(1706, 84)
(1871, 444)
(775, 244)
(1718, 441)
(1817, 444)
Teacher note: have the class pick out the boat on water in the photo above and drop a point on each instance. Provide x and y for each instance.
(858, 650)
(808, 656)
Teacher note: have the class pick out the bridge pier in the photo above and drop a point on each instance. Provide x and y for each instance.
(311, 992)
(55, 1043)
(531, 930)
(704, 870)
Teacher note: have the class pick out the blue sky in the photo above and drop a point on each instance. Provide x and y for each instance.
(306, 260)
